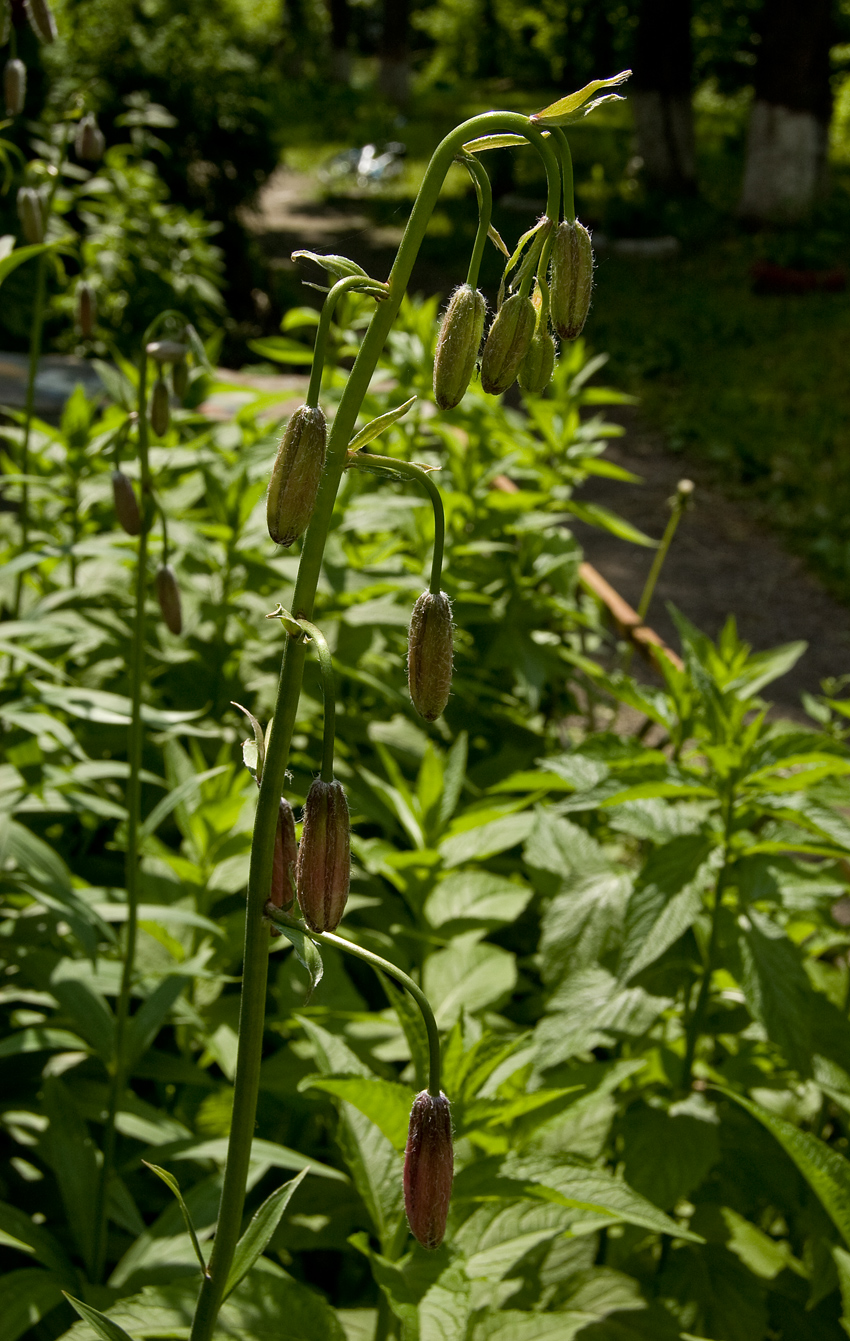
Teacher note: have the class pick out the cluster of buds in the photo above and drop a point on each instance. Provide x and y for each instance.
(295, 475)
(165, 353)
(324, 856)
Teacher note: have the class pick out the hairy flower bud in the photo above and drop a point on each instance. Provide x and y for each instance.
(324, 858)
(41, 20)
(31, 214)
(14, 86)
(507, 343)
(86, 310)
(180, 378)
(285, 858)
(126, 507)
(535, 371)
(89, 142)
(295, 475)
(457, 345)
(160, 410)
(429, 654)
(168, 595)
(570, 279)
(428, 1168)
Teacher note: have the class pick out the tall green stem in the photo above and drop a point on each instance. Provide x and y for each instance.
(392, 465)
(255, 961)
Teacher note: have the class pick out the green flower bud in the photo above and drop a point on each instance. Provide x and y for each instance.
(86, 310)
(429, 654)
(295, 476)
(126, 507)
(89, 142)
(14, 86)
(457, 345)
(535, 371)
(166, 351)
(168, 595)
(180, 378)
(41, 20)
(31, 214)
(160, 412)
(570, 279)
(324, 858)
(507, 343)
(285, 858)
(428, 1168)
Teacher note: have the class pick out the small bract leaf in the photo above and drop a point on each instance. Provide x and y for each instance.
(560, 112)
(172, 1184)
(494, 142)
(258, 737)
(378, 426)
(105, 1327)
(260, 1230)
(336, 265)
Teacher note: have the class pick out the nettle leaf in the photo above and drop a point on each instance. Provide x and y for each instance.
(583, 923)
(591, 1009)
(467, 976)
(475, 899)
(666, 900)
(258, 1234)
(667, 1155)
(495, 1237)
(384, 1102)
(824, 1169)
(777, 987)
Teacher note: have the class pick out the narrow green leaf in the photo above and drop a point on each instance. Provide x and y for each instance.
(172, 1184)
(21, 255)
(254, 1241)
(307, 953)
(412, 1024)
(176, 797)
(339, 266)
(561, 112)
(506, 141)
(105, 1327)
(26, 1296)
(72, 1155)
(377, 426)
(144, 1026)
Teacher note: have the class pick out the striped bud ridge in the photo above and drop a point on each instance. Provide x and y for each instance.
(126, 507)
(507, 343)
(168, 595)
(86, 310)
(41, 20)
(324, 857)
(14, 86)
(180, 378)
(31, 214)
(89, 142)
(429, 654)
(295, 475)
(535, 371)
(570, 279)
(285, 859)
(428, 1168)
(457, 345)
(160, 412)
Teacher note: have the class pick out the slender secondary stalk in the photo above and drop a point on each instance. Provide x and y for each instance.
(255, 961)
(328, 697)
(350, 284)
(365, 460)
(679, 503)
(566, 161)
(484, 192)
(694, 1024)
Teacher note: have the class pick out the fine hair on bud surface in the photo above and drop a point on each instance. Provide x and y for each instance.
(507, 343)
(324, 857)
(428, 1168)
(570, 279)
(457, 345)
(430, 654)
(295, 476)
(126, 505)
(168, 595)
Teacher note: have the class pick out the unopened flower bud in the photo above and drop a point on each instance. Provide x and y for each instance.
(285, 859)
(31, 214)
(126, 507)
(570, 279)
(41, 20)
(428, 1168)
(89, 141)
(180, 378)
(457, 345)
(324, 857)
(14, 86)
(429, 654)
(507, 343)
(168, 595)
(295, 476)
(166, 351)
(535, 371)
(86, 310)
(160, 410)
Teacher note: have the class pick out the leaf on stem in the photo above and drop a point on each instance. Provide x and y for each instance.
(260, 741)
(377, 426)
(260, 1230)
(306, 952)
(340, 266)
(105, 1327)
(578, 104)
(506, 141)
(173, 1185)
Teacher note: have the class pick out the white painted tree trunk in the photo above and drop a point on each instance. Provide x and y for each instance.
(785, 169)
(664, 125)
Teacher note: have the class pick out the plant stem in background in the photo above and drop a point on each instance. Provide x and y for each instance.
(392, 465)
(679, 502)
(255, 962)
(566, 159)
(694, 1024)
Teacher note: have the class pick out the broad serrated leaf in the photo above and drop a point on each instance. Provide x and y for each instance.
(383, 1102)
(777, 987)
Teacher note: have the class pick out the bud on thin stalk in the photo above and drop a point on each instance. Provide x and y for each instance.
(507, 343)
(15, 86)
(126, 506)
(457, 345)
(166, 351)
(430, 654)
(571, 279)
(285, 859)
(168, 595)
(41, 20)
(86, 310)
(428, 1168)
(295, 476)
(160, 413)
(324, 858)
(31, 214)
(89, 141)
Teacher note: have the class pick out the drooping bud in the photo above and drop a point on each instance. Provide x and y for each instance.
(86, 310)
(168, 595)
(507, 343)
(429, 654)
(41, 20)
(126, 507)
(180, 378)
(570, 279)
(295, 476)
(14, 86)
(285, 858)
(160, 410)
(31, 214)
(166, 351)
(428, 1168)
(324, 857)
(535, 371)
(457, 345)
(89, 141)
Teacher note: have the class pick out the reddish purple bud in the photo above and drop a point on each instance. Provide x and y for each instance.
(41, 19)
(168, 595)
(86, 310)
(324, 857)
(126, 506)
(160, 410)
(428, 1168)
(285, 859)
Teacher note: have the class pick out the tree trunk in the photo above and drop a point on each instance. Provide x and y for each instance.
(394, 74)
(340, 29)
(785, 168)
(661, 94)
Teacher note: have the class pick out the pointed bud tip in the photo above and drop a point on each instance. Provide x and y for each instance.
(428, 1168)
